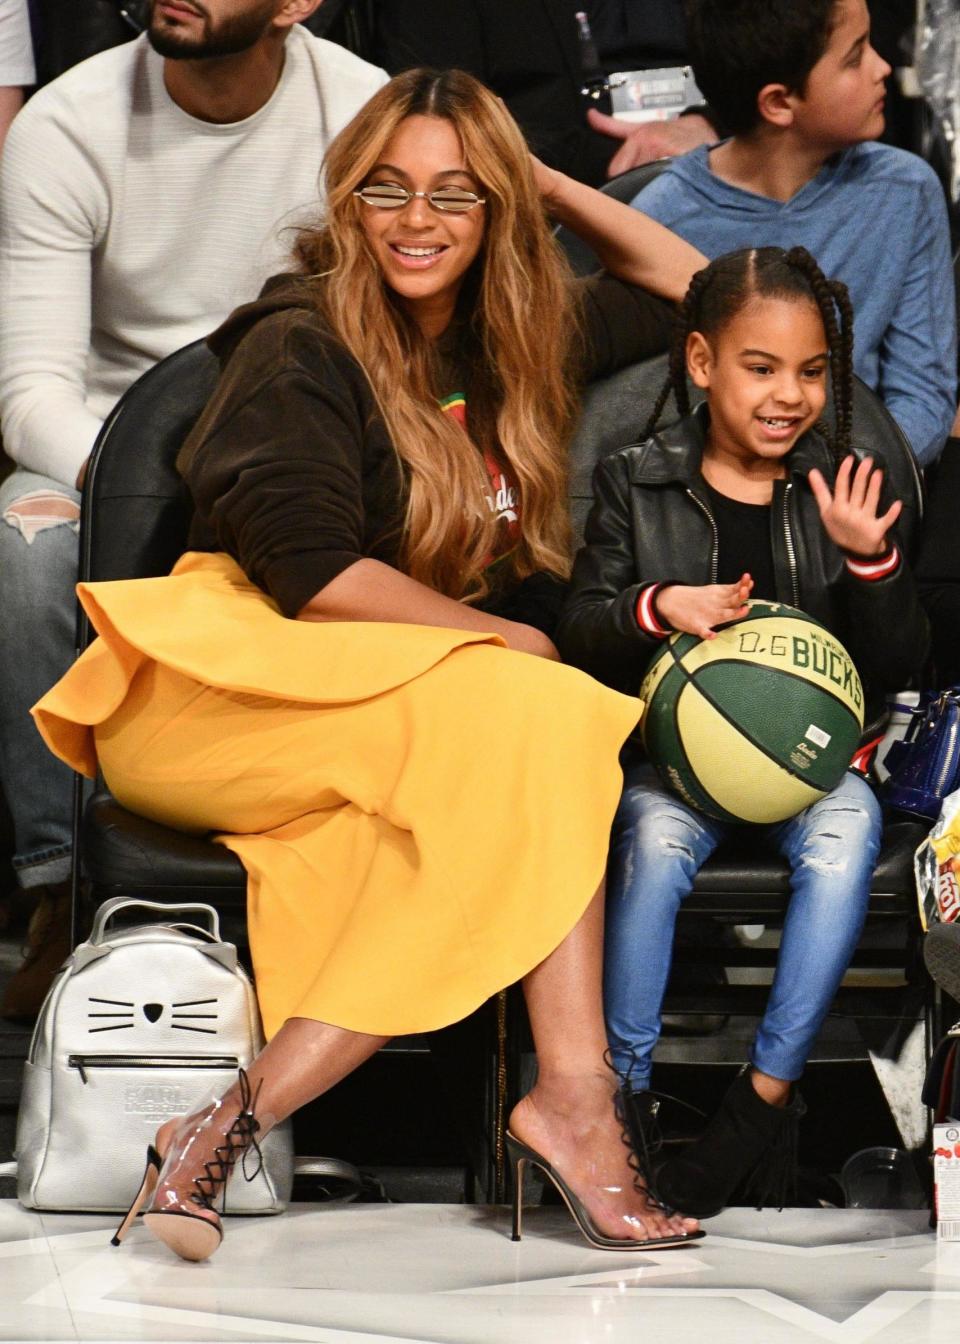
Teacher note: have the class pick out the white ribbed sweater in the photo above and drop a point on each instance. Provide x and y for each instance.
(128, 228)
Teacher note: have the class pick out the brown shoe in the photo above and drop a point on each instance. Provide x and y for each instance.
(48, 944)
(16, 907)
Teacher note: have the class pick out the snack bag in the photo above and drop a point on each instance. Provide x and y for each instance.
(936, 866)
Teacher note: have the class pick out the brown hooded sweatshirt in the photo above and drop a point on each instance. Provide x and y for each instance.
(291, 467)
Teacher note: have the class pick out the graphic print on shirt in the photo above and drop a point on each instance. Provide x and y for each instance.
(503, 497)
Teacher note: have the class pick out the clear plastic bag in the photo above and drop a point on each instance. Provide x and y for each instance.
(937, 60)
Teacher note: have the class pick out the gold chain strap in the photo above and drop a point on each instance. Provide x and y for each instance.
(499, 1123)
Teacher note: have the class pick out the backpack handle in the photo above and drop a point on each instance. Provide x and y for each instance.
(115, 904)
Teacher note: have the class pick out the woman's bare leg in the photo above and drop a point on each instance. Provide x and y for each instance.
(568, 1116)
(303, 1060)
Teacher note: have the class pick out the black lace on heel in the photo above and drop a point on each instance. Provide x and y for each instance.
(640, 1131)
(239, 1140)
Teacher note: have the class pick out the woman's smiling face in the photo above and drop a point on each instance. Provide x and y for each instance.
(423, 252)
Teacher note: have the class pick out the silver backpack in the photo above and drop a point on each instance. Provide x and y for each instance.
(141, 1023)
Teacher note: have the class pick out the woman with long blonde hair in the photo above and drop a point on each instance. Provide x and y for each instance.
(337, 680)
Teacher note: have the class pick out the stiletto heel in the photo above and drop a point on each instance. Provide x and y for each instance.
(520, 1154)
(151, 1174)
(518, 1164)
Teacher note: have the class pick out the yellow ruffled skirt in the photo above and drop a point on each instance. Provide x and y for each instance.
(423, 814)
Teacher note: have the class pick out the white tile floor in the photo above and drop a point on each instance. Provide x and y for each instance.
(382, 1274)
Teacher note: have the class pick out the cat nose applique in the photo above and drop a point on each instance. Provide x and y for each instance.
(152, 1011)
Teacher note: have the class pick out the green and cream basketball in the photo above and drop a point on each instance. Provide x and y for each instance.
(758, 723)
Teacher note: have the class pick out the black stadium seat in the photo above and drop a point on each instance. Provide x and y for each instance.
(623, 187)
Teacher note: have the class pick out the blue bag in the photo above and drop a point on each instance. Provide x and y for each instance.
(925, 766)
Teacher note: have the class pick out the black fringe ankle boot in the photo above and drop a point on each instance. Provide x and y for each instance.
(748, 1140)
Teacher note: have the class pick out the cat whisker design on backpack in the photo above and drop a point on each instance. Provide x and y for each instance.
(178, 1018)
(110, 1008)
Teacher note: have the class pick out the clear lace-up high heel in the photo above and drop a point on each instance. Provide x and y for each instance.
(189, 1222)
(520, 1154)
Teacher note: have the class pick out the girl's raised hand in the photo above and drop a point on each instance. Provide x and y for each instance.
(696, 611)
(849, 515)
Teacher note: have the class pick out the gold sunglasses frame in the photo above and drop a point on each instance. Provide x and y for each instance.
(423, 196)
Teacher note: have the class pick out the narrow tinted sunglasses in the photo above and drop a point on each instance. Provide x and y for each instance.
(449, 200)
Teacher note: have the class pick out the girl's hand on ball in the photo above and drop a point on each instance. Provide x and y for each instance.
(849, 515)
(696, 611)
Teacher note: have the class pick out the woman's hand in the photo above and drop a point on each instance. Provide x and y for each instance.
(696, 611)
(849, 515)
(547, 180)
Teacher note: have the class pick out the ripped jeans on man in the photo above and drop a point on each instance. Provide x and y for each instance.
(39, 550)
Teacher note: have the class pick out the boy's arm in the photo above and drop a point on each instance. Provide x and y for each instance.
(53, 208)
(599, 629)
(918, 356)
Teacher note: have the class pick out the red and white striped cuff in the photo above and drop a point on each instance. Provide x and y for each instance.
(871, 570)
(647, 612)
(863, 756)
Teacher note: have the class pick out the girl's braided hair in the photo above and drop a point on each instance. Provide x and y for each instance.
(727, 285)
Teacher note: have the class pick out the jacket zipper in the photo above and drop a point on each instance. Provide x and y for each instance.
(791, 551)
(84, 1062)
(715, 557)
(788, 537)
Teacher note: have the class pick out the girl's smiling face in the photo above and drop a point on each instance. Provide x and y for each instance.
(764, 373)
(423, 252)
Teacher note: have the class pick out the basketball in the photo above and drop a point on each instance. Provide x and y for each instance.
(758, 723)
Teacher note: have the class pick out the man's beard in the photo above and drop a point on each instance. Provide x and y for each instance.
(230, 36)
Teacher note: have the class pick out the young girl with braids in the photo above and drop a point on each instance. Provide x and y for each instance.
(745, 496)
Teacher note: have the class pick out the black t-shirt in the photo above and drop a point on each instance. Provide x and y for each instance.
(745, 547)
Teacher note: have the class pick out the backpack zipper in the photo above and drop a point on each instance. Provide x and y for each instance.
(83, 1062)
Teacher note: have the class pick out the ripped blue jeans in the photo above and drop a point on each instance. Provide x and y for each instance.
(659, 844)
(39, 551)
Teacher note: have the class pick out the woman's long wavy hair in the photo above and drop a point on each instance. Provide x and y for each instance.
(515, 334)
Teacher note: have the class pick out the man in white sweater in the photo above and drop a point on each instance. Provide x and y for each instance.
(17, 70)
(143, 195)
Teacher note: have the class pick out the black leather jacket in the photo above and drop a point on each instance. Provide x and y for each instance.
(651, 522)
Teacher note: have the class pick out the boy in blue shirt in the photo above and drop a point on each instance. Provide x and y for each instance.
(801, 90)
